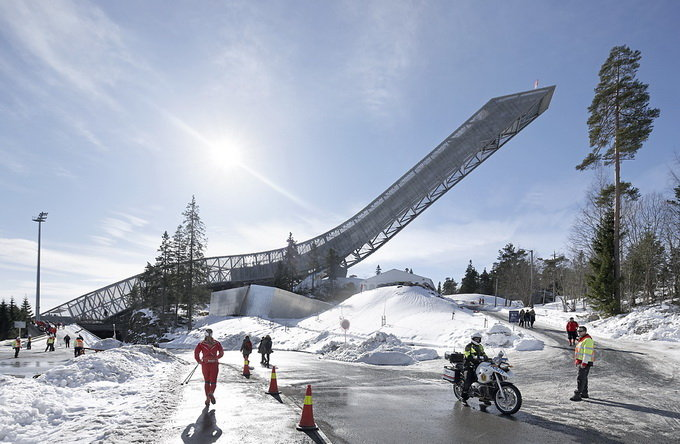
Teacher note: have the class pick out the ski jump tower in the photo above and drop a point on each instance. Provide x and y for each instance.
(498, 121)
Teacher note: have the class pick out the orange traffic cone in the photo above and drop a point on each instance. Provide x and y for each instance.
(273, 386)
(307, 420)
(246, 369)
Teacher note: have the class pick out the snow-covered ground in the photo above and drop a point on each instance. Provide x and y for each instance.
(90, 398)
(418, 325)
(129, 393)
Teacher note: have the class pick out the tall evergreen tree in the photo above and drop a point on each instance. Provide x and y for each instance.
(470, 282)
(439, 287)
(26, 312)
(196, 243)
(179, 257)
(485, 283)
(378, 270)
(14, 311)
(601, 277)
(5, 320)
(620, 122)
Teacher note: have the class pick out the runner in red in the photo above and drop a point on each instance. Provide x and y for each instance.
(211, 351)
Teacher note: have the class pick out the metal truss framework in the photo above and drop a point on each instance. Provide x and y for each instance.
(498, 121)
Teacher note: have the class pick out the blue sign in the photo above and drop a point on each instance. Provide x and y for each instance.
(513, 316)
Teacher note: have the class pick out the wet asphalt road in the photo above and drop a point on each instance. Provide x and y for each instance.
(358, 403)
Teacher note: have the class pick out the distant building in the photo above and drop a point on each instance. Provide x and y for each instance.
(396, 277)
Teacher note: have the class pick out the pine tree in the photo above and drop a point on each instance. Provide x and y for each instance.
(450, 286)
(196, 242)
(26, 312)
(485, 283)
(470, 282)
(5, 321)
(14, 311)
(178, 276)
(601, 276)
(378, 270)
(439, 287)
(620, 122)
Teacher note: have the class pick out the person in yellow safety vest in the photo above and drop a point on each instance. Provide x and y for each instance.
(474, 354)
(584, 358)
(17, 346)
(50, 343)
(78, 349)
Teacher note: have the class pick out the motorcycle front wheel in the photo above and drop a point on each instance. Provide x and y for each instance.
(509, 400)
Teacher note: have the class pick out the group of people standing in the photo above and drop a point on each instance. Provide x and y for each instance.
(527, 318)
(264, 349)
(208, 352)
(79, 348)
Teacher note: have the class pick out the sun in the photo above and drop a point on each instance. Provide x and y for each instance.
(226, 155)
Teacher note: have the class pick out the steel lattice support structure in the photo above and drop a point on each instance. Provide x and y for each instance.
(491, 127)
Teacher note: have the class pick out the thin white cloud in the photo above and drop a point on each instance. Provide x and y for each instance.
(74, 42)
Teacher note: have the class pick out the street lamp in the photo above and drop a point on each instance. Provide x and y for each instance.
(42, 217)
(531, 280)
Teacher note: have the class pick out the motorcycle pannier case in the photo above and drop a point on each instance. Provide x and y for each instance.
(451, 374)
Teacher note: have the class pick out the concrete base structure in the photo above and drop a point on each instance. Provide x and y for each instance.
(265, 302)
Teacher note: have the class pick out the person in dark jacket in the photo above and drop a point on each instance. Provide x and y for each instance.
(246, 348)
(265, 349)
(28, 343)
(67, 341)
(474, 354)
(532, 317)
(572, 326)
(522, 316)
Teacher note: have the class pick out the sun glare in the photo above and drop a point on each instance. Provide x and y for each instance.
(226, 156)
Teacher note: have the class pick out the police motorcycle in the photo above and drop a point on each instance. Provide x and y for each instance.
(493, 378)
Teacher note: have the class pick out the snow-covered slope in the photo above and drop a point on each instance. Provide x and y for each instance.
(417, 326)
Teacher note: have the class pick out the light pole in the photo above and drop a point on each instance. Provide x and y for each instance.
(42, 217)
(531, 279)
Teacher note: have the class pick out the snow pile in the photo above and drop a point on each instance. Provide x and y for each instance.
(107, 344)
(116, 366)
(379, 349)
(528, 344)
(649, 323)
(499, 335)
(122, 386)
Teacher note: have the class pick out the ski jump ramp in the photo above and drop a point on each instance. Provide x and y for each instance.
(486, 131)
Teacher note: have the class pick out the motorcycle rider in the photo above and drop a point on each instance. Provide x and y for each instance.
(474, 354)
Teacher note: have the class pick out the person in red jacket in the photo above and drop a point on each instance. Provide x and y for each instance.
(207, 353)
(572, 326)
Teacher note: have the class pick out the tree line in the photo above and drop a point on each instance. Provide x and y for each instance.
(12, 312)
(624, 247)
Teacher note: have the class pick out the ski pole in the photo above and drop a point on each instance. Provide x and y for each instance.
(186, 381)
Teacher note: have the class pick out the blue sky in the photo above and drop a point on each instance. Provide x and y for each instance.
(290, 117)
